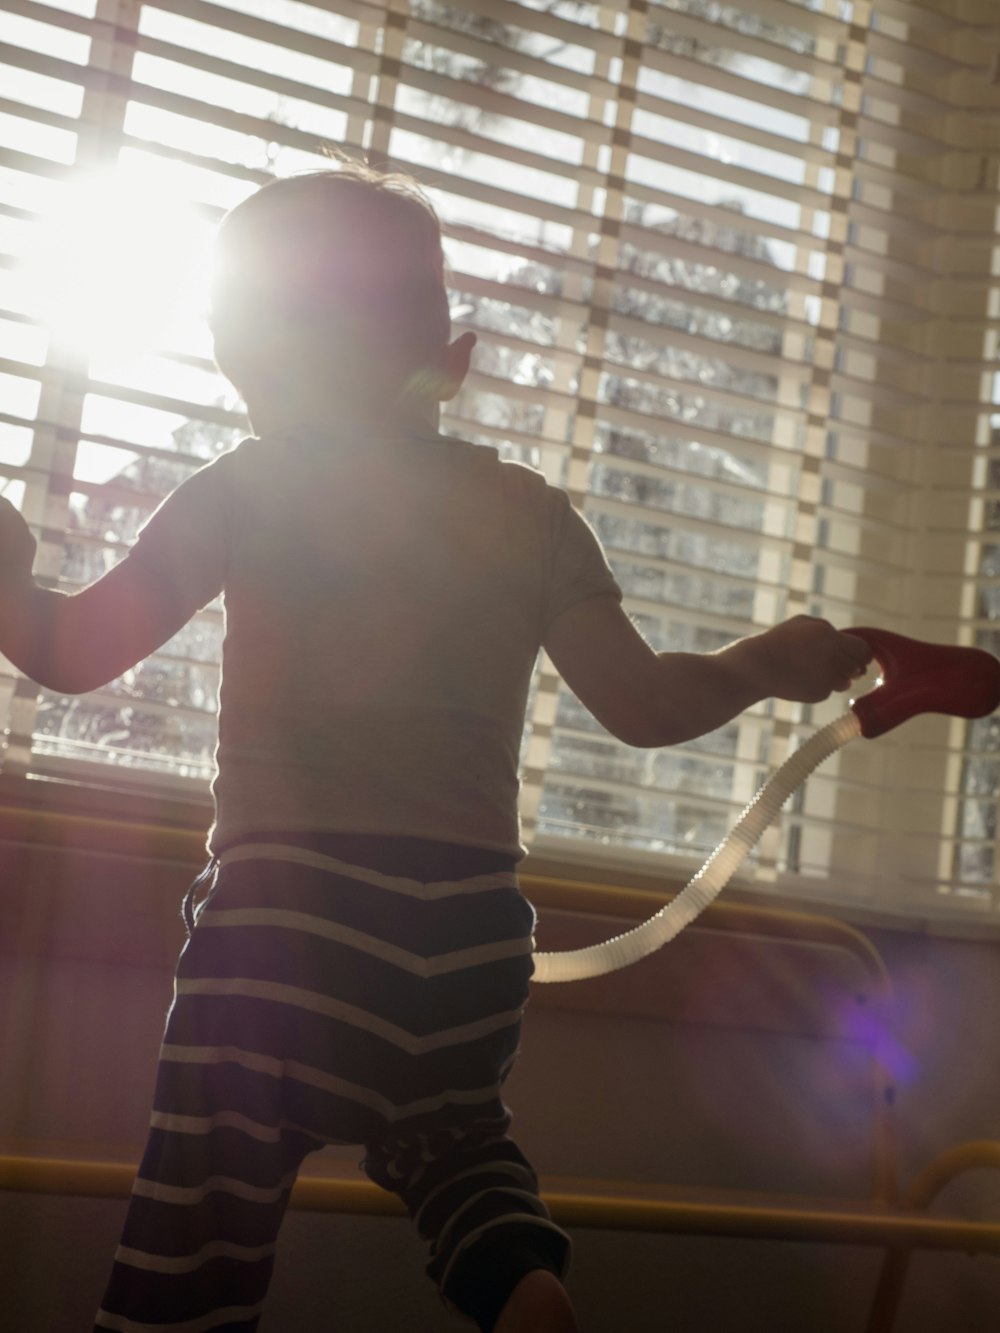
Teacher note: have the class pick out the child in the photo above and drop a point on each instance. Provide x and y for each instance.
(357, 971)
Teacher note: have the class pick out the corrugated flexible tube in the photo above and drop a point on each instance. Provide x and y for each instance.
(917, 677)
(714, 875)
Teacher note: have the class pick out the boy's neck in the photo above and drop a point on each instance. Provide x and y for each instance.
(405, 417)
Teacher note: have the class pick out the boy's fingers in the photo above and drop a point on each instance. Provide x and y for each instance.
(856, 650)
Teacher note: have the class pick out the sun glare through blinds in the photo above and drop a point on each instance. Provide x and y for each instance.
(732, 270)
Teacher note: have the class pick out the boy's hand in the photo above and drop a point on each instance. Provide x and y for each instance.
(805, 660)
(17, 545)
(652, 699)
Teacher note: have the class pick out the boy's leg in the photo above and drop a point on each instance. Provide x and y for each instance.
(474, 1197)
(200, 1234)
(538, 1304)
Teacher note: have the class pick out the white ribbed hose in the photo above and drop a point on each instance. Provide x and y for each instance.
(712, 878)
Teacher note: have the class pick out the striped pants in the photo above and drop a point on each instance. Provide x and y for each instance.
(322, 1002)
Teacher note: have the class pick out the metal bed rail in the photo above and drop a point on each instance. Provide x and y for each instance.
(596, 1205)
(770, 923)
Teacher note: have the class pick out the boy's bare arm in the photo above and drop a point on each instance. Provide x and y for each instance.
(78, 641)
(650, 699)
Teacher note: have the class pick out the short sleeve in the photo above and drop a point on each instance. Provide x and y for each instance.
(184, 544)
(579, 568)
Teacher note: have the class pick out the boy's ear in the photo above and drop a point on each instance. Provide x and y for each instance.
(455, 365)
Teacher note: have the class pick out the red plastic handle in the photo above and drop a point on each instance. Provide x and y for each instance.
(925, 678)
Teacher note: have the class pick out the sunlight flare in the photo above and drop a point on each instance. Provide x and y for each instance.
(120, 267)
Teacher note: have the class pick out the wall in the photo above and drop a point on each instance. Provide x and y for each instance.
(721, 1062)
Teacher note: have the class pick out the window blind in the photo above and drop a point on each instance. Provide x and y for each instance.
(734, 272)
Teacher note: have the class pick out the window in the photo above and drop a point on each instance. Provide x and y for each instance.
(733, 272)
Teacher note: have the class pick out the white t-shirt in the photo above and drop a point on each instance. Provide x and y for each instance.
(385, 603)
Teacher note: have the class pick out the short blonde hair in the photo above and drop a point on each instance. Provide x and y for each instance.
(350, 253)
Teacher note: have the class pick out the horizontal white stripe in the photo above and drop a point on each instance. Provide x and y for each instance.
(188, 1195)
(433, 966)
(483, 1168)
(232, 1314)
(537, 1209)
(543, 1222)
(412, 888)
(276, 992)
(315, 1078)
(195, 1124)
(190, 1263)
(509, 1064)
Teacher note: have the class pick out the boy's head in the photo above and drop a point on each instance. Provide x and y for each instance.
(333, 281)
